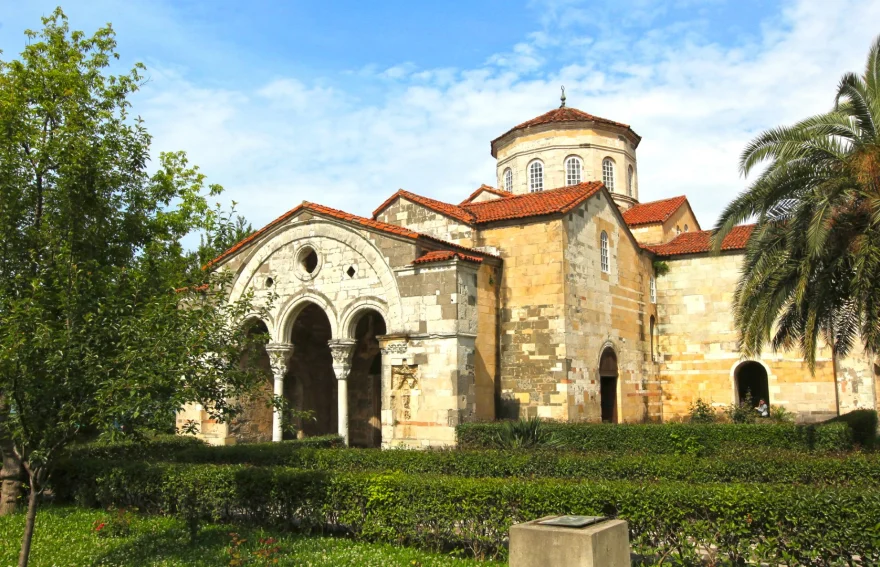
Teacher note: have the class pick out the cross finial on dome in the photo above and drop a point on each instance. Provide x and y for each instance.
(562, 98)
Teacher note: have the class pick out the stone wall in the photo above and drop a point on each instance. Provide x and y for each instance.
(532, 326)
(698, 348)
(607, 310)
(413, 216)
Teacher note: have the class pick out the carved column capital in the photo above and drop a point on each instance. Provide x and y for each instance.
(342, 351)
(279, 357)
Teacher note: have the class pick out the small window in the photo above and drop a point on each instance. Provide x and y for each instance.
(653, 290)
(508, 180)
(308, 259)
(653, 342)
(573, 169)
(629, 181)
(608, 173)
(686, 228)
(603, 250)
(677, 230)
(536, 176)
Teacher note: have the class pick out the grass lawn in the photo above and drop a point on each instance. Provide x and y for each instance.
(65, 537)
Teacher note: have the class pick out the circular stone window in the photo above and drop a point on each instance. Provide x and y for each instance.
(308, 262)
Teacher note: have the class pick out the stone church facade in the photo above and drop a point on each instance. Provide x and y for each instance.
(535, 297)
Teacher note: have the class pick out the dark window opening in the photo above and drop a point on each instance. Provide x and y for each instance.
(351, 271)
(309, 260)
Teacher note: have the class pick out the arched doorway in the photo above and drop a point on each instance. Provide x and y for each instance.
(254, 423)
(751, 383)
(608, 385)
(365, 381)
(310, 384)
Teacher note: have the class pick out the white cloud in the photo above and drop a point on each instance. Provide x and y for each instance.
(696, 104)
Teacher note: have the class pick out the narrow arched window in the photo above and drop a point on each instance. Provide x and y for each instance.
(677, 230)
(603, 251)
(536, 176)
(573, 169)
(653, 290)
(629, 181)
(608, 173)
(686, 228)
(508, 180)
(653, 340)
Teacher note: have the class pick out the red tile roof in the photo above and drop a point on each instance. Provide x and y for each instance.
(348, 217)
(564, 114)
(447, 209)
(487, 189)
(553, 201)
(653, 211)
(700, 241)
(443, 255)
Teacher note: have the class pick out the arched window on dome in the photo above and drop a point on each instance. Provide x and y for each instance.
(573, 168)
(603, 251)
(608, 173)
(630, 174)
(508, 180)
(536, 176)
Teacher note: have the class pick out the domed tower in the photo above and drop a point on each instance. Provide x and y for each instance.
(565, 147)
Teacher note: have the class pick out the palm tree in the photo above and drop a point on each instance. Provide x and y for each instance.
(812, 264)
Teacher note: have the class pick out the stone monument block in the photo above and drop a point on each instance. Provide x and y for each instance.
(570, 541)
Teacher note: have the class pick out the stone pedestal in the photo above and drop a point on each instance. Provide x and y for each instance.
(605, 544)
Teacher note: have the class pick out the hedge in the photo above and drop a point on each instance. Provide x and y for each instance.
(758, 467)
(674, 438)
(734, 524)
(863, 424)
(190, 449)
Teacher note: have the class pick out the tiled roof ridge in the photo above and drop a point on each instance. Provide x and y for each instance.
(488, 189)
(443, 255)
(565, 114)
(551, 201)
(697, 242)
(653, 211)
(448, 209)
(342, 215)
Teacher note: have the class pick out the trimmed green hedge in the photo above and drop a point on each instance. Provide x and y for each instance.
(863, 424)
(179, 448)
(674, 438)
(735, 524)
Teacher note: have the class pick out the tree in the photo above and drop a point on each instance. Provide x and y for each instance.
(812, 262)
(93, 335)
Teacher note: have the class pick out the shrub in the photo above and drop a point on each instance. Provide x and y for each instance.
(733, 524)
(193, 450)
(714, 438)
(863, 424)
(521, 434)
(701, 412)
(743, 412)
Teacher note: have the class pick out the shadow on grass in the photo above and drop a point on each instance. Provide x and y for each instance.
(171, 543)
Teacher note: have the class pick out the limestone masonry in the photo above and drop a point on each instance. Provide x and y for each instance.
(535, 298)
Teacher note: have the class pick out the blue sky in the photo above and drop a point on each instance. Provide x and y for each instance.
(343, 102)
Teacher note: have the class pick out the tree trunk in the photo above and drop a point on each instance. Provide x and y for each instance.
(29, 523)
(10, 479)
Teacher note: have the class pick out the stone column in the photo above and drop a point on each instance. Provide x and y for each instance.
(342, 351)
(279, 358)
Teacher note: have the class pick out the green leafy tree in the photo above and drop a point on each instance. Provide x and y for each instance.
(93, 335)
(812, 262)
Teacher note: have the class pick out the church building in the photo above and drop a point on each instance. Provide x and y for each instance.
(557, 293)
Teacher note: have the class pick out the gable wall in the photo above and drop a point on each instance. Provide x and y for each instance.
(610, 309)
(413, 216)
(683, 216)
